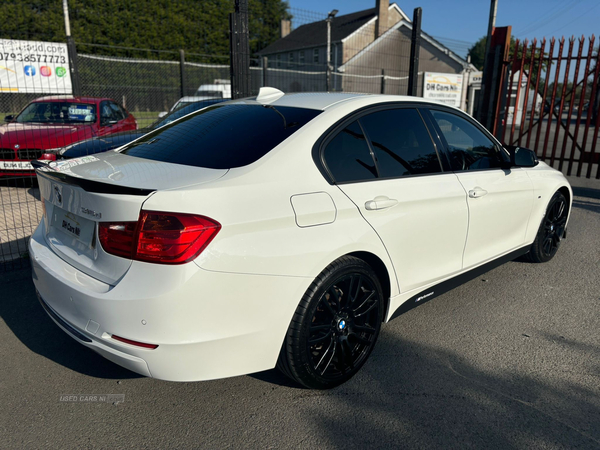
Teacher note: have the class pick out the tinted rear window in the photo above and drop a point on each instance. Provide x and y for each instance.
(222, 136)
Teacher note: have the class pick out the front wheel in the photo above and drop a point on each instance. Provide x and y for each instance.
(335, 326)
(551, 230)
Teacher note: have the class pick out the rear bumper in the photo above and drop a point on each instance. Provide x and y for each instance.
(124, 359)
(207, 325)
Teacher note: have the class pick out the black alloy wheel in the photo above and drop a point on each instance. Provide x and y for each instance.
(335, 326)
(552, 230)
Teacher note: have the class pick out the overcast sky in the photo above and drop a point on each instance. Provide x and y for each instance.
(459, 24)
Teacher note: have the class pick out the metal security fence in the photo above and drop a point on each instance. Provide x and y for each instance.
(197, 74)
(146, 85)
(138, 84)
(294, 79)
(21, 212)
(549, 101)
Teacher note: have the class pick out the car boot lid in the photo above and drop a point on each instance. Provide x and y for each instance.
(114, 169)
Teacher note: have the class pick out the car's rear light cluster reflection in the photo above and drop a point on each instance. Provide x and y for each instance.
(159, 237)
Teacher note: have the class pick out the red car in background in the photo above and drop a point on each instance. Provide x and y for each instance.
(49, 123)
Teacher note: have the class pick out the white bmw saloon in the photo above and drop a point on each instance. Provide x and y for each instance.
(282, 231)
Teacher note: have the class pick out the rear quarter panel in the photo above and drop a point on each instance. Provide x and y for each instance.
(259, 232)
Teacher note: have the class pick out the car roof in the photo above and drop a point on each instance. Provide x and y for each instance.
(324, 100)
(70, 98)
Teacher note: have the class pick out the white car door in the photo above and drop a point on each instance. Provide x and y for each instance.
(387, 164)
(500, 200)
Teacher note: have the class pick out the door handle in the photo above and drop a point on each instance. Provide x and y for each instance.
(380, 202)
(477, 192)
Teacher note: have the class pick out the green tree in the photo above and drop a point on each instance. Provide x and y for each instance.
(192, 25)
(264, 22)
(477, 53)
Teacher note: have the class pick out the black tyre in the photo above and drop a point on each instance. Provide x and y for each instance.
(551, 231)
(335, 326)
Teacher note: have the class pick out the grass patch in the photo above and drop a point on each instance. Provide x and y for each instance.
(145, 118)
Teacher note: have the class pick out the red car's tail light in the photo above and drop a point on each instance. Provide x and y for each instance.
(48, 157)
(159, 237)
(136, 343)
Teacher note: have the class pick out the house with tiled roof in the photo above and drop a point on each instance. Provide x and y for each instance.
(369, 53)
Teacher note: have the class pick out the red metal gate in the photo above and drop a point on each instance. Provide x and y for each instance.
(549, 103)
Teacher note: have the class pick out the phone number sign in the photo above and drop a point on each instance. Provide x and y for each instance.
(34, 67)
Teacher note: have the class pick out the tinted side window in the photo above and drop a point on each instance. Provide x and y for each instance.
(348, 156)
(106, 112)
(469, 147)
(401, 143)
(117, 112)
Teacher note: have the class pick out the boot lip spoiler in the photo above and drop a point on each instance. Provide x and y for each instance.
(46, 171)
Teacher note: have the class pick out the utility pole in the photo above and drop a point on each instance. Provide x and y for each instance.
(72, 53)
(67, 23)
(330, 17)
(486, 62)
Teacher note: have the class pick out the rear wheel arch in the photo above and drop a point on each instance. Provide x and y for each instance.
(382, 273)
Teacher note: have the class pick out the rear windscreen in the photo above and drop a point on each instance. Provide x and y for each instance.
(222, 136)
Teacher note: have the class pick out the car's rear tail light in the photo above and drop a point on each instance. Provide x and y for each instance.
(173, 238)
(136, 343)
(48, 157)
(117, 238)
(159, 237)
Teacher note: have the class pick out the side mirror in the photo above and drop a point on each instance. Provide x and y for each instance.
(162, 114)
(522, 157)
(8, 118)
(108, 122)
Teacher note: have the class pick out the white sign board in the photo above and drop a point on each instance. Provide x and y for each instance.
(34, 67)
(443, 87)
(475, 78)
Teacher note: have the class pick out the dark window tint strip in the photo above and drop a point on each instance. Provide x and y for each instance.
(222, 136)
